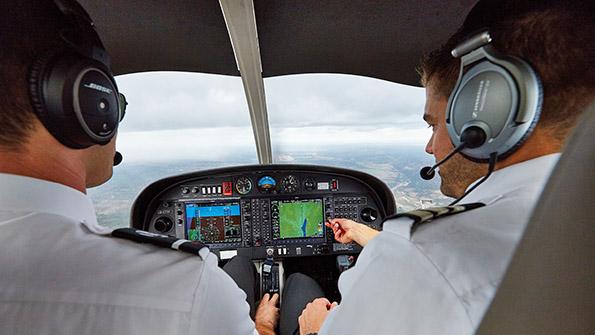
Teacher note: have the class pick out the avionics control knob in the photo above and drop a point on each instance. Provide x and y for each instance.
(163, 224)
(369, 214)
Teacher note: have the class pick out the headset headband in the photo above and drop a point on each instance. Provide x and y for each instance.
(79, 32)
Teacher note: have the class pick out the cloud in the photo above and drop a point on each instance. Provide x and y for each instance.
(344, 100)
(213, 144)
(319, 138)
(176, 100)
(229, 143)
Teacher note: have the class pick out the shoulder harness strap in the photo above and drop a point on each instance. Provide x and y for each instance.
(425, 215)
(164, 241)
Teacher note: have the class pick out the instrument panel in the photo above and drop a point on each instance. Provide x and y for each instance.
(263, 210)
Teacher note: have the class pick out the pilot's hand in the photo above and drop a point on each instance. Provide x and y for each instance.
(267, 315)
(314, 314)
(347, 231)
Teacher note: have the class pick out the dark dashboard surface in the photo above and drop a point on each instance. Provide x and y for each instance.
(263, 211)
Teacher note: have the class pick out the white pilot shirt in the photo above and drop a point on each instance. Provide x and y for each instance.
(61, 274)
(441, 278)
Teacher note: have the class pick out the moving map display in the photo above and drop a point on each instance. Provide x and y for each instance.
(213, 222)
(298, 218)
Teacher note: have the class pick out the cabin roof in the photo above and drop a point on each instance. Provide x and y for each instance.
(379, 39)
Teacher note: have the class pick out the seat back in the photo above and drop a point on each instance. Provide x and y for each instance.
(549, 287)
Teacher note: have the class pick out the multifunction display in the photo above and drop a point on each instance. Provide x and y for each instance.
(303, 218)
(216, 222)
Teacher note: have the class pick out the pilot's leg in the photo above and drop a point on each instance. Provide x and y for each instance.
(298, 292)
(243, 272)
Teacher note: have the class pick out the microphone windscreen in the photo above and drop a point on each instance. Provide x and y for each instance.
(427, 173)
(117, 158)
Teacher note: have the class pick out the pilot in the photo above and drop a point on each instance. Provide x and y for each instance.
(62, 273)
(423, 276)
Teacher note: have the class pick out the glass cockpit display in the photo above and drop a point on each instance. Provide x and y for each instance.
(298, 218)
(218, 222)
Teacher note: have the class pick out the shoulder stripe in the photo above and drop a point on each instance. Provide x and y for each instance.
(164, 241)
(424, 215)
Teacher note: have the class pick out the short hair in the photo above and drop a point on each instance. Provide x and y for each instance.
(28, 28)
(554, 37)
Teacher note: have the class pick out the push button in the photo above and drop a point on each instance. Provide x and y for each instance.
(227, 188)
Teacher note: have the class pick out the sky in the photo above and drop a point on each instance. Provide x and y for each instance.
(176, 115)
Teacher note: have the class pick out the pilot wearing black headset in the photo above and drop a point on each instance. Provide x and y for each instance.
(62, 273)
(435, 270)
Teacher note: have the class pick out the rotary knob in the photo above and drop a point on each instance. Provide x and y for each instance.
(163, 224)
(369, 214)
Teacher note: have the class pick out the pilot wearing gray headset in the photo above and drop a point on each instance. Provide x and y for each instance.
(496, 136)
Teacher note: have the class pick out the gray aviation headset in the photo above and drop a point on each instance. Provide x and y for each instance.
(73, 91)
(496, 102)
(493, 108)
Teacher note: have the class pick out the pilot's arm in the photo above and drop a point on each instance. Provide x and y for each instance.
(347, 231)
(223, 306)
(226, 308)
(392, 277)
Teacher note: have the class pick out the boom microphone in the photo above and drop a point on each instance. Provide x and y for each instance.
(428, 172)
(117, 158)
(472, 137)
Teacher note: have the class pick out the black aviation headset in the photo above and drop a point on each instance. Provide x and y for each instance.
(73, 91)
(494, 106)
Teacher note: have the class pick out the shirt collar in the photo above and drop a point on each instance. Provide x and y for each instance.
(26, 194)
(531, 172)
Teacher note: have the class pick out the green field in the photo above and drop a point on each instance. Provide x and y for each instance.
(300, 219)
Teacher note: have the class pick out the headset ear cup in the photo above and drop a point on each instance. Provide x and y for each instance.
(36, 73)
(511, 110)
(55, 84)
(41, 77)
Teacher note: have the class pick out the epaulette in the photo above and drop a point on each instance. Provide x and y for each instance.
(164, 241)
(425, 215)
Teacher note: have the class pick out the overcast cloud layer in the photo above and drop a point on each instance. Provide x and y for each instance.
(173, 115)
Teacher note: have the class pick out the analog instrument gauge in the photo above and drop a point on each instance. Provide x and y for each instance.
(267, 184)
(309, 184)
(243, 185)
(289, 184)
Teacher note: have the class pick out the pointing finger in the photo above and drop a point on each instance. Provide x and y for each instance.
(264, 300)
(274, 299)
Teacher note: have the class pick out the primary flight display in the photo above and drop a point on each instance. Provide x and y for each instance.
(213, 223)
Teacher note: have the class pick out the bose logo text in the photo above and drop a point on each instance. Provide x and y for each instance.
(99, 88)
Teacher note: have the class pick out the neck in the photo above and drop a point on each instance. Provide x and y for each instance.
(45, 163)
(540, 143)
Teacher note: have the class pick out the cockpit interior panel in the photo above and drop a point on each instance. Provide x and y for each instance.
(263, 211)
